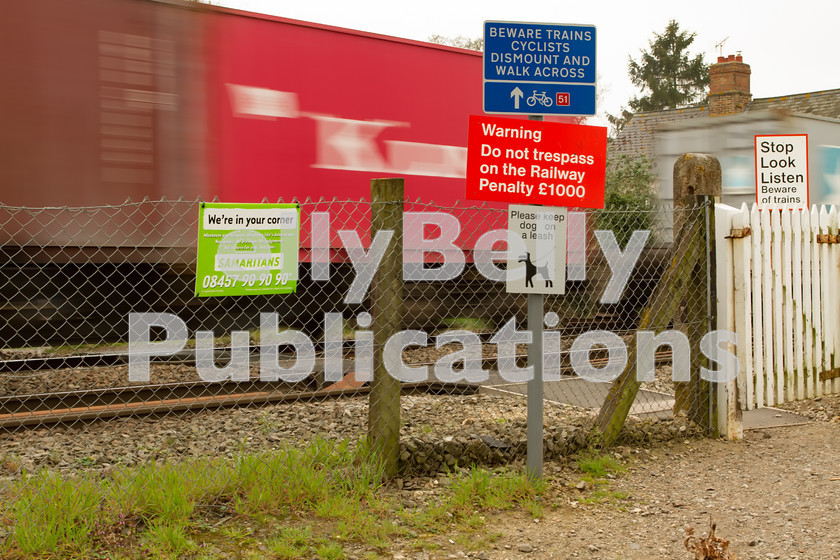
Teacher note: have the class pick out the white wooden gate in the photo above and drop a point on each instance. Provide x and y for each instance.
(784, 291)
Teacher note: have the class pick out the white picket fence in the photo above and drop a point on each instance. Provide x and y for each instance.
(784, 293)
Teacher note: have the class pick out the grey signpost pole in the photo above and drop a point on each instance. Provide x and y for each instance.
(535, 387)
(534, 460)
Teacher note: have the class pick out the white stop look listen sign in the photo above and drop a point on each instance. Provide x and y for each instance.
(536, 255)
(781, 171)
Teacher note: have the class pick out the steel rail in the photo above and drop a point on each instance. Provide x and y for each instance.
(38, 363)
(33, 409)
(97, 404)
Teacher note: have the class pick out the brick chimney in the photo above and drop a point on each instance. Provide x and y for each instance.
(729, 87)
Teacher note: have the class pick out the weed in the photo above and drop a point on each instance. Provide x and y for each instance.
(113, 534)
(478, 490)
(474, 522)
(475, 540)
(285, 551)
(494, 536)
(161, 492)
(535, 508)
(10, 463)
(291, 542)
(430, 519)
(382, 532)
(169, 539)
(266, 423)
(599, 465)
(426, 544)
(601, 496)
(51, 512)
(337, 506)
(708, 548)
(330, 551)
(298, 536)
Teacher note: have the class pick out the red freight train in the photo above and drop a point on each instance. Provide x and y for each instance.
(104, 100)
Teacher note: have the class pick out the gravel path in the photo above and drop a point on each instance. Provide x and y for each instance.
(774, 495)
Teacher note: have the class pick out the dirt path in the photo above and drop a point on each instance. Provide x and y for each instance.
(774, 495)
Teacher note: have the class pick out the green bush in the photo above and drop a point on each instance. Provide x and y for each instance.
(629, 200)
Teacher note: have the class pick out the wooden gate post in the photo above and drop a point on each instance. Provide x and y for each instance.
(686, 296)
(697, 184)
(387, 196)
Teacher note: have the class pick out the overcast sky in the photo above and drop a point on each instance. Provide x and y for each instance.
(792, 47)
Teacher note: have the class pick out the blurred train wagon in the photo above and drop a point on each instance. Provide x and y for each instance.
(109, 100)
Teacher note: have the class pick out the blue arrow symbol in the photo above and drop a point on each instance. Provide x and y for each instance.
(517, 95)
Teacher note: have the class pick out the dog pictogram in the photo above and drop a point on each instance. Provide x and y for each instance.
(532, 270)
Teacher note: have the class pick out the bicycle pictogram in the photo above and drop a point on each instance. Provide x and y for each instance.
(544, 99)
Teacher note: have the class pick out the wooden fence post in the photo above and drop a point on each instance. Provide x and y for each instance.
(686, 294)
(696, 176)
(387, 196)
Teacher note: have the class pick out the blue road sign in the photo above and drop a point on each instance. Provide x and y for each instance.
(539, 68)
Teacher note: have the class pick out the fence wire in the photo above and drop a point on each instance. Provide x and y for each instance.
(71, 278)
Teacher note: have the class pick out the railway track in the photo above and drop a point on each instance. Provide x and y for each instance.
(37, 363)
(27, 410)
(97, 404)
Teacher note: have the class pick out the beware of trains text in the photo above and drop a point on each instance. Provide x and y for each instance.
(781, 171)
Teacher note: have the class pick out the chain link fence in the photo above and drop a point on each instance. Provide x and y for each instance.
(73, 277)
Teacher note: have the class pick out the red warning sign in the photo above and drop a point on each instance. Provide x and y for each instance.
(536, 162)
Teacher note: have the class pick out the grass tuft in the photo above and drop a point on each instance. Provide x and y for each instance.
(51, 512)
(171, 510)
(599, 465)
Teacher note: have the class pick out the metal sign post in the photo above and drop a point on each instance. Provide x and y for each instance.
(534, 451)
(534, 461)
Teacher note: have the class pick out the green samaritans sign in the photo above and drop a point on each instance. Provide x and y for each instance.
(247, 249)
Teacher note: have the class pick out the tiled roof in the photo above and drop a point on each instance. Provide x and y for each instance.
(637, 137)
(824, 103)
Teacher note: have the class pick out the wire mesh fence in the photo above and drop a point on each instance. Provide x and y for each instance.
(404, 338)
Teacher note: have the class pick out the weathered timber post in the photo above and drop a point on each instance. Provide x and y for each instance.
(387, 196)
(697, 187)
(689, 278)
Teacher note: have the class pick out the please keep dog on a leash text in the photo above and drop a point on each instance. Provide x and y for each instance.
(536, 255)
